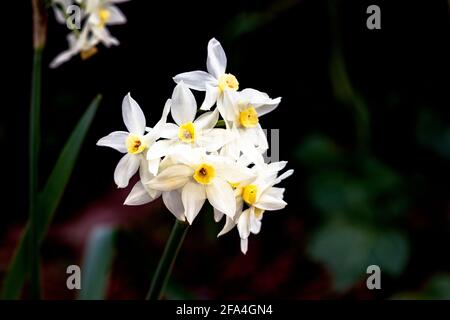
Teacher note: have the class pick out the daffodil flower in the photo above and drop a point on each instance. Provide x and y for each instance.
(135, 142)
(187, 130)
(199, 176)
(102, 13)
(83, 44)
(97, 14)
(258, 196)
(215, 82)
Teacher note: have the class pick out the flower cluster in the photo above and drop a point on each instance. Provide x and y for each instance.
(94, 17)
(193, 159)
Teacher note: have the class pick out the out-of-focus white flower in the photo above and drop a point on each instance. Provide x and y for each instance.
(187, 130)
(97, 14)
(215, 82)
(83, 43)
(199, 176)
(135, 142)
(259, 196)
(102, 13)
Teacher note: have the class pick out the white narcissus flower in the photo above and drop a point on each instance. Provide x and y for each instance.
(199, 176)
(187, 130)
(102, 13)
(259, 196)
(243, 110)
(215, 82)
(135, 142)
(97, 14)
(83, 43)
(142, 193)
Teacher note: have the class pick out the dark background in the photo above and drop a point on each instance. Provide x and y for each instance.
(364, 121)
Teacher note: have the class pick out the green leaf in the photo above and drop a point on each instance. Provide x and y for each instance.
(437, 288)
(347, 250)
(47, 202)
(97, 263)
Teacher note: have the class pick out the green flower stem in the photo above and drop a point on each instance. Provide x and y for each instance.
(167, 260)
(39, 37)
(33, 171)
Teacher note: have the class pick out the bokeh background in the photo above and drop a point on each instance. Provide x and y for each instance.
(364, 121)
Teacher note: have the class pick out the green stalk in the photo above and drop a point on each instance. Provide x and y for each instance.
(39, 36)
(33, 167)
(167, 260)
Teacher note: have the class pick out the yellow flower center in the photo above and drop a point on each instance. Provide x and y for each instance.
(186, 133)
(86, 54)
(103, 15)
(228, 81)
(134, 144)
(248, 118)
(204, 174)
(249, 194)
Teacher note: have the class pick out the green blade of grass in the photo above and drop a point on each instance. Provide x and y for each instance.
(47, 202)
(97, 263)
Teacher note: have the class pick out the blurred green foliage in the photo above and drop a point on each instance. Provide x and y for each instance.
(97, 263)
(437, 288)
(360, 201)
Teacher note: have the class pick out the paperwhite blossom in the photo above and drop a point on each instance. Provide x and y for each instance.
(199, 176)
(258, 196)
(192, 160)
(96, 16)
(215, 82)
(135, 142)
(187, 130)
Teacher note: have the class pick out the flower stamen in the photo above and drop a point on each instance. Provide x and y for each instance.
(248, 118)
(249, 194)
(204, 174)
(134, 144)
(228, 81)
(186, 133)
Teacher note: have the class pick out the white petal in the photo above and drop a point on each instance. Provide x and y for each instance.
(172, 200)
(159, 149)
(126, 168)
(232, 171)
(268, 106)
(116, 16)
(115, 140)
(216, 62)
(157, 131)
(270, 201)
(153, 166)
(229, 225)
(261, 138)
(138, 196)
(169, 131)
(217, 215)
(212, 92)
(221, 196)
(243, 224)
(208, 120)
(193, 197)
(184, 107)
(255, 224)
(244, 245)
(171, 178)
(249, 150)
(132, 114)
(63, 57)
(214, 139)
(197, 80)
(104, 36)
